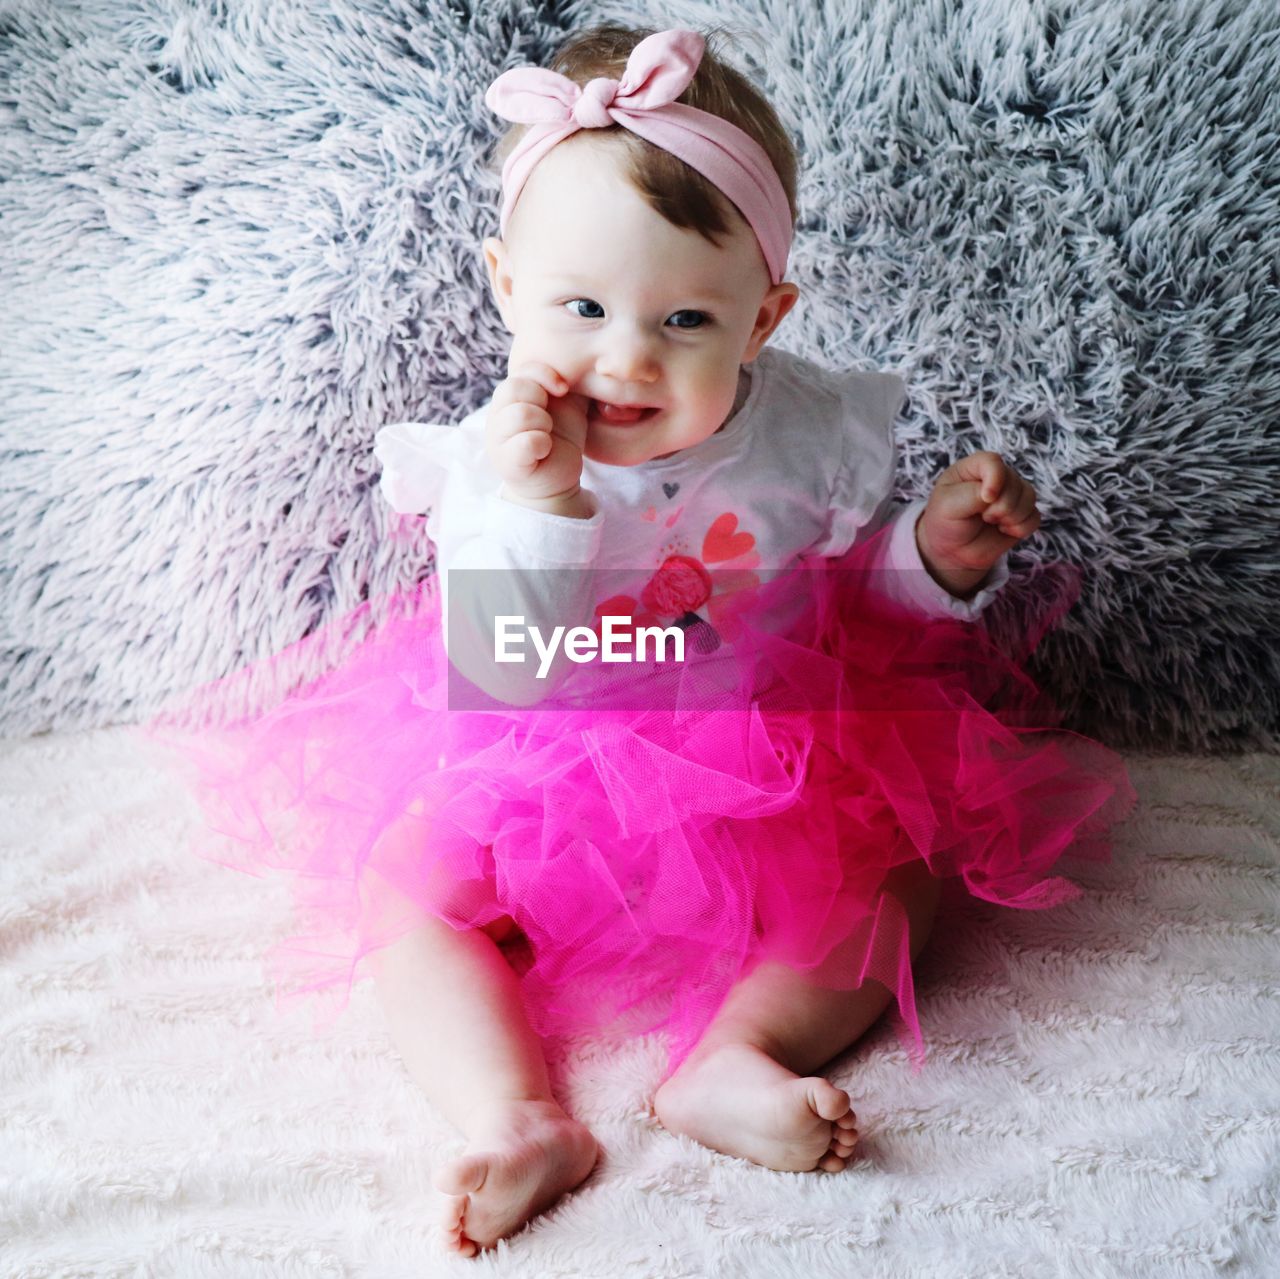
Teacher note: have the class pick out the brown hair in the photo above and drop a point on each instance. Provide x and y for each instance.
(680, 194)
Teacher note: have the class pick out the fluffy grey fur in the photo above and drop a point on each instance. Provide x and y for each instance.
(237, 237)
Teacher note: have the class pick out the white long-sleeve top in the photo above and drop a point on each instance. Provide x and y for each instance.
(805, 467)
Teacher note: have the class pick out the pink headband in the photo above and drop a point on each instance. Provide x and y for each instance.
(644, 101)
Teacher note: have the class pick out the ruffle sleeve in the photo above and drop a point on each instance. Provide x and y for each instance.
(862, 487)
(416, 458)
(862, 503)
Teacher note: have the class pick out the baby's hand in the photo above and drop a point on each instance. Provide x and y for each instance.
(534, 434)
(979, 508)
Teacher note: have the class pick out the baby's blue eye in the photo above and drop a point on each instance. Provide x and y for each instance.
(692, 319)
(700, 318)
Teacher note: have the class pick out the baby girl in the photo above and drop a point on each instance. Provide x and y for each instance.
(649, 201)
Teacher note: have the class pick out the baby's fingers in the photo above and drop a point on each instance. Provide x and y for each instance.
(518, 457)
(514, 419)
(1015, 506)
(532, 383)
(1022, 521)
(546, 377)
(957, 499)
(1026, 526)
(518, 390)
(985, 471)
(517, 438)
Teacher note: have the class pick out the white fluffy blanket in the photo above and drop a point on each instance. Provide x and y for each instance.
(1102, 1096)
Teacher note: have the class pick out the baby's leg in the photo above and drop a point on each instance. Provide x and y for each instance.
(452, 1002)
(748, 1088)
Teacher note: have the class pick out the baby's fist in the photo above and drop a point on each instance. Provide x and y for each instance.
(979, 508)
(534, 433)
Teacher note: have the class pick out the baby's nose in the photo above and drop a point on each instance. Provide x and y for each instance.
(628, 358)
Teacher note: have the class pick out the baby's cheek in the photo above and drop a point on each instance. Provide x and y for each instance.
(523, 350)
(545, 350)
(720, 395)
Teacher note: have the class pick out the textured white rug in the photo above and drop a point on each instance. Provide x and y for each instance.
(1102, 1096)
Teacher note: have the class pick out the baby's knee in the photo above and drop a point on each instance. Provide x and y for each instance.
(454, 894)
(460, 903)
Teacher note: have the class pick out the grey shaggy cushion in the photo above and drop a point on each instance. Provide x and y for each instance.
(236, 238)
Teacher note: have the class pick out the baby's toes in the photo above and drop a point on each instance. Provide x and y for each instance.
(452, 1215)
(828, 1101)
(452, 1208)
(461, 1177)
(461, 1244)
(843, 1144)
(844, 1139)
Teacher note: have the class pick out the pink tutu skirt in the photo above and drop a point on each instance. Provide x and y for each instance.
(652, 852)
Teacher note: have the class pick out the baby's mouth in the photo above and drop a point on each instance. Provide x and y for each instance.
(621, 414)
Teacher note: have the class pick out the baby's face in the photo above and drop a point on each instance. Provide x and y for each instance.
(629, 309)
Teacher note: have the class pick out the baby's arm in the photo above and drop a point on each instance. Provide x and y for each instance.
(532, 552)
(930, 577)
(980, 507)
(501, 557)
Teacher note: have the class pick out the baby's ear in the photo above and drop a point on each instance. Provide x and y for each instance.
(775, 305)
(498, 264)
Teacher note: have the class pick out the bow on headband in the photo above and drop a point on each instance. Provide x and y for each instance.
(644, 101)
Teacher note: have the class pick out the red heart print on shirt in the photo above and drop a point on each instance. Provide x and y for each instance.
(682, 584)
(722, 543)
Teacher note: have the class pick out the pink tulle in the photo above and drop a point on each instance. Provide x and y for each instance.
(652, 855)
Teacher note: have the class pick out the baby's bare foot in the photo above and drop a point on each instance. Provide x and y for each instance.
(529, 1155)
(736, 1099)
